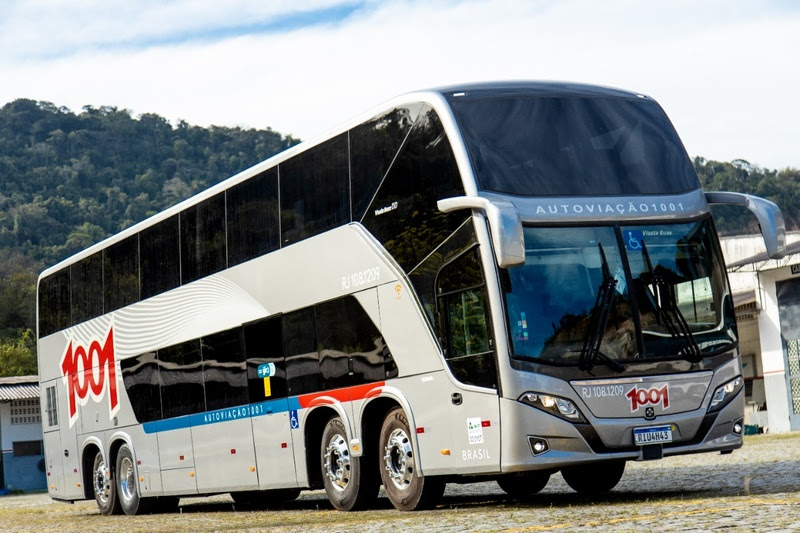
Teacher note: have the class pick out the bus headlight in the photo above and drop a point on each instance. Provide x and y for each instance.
(555, 405)
(724, 393)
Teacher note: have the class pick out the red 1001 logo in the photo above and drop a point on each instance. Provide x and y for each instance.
(640, 397)
(90, 372)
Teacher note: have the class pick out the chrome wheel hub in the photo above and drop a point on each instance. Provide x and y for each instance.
(127, 480)
(337, 462)
(102, 483)
(398, 458)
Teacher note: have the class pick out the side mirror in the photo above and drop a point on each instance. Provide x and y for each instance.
(769, 216)
(504, 224)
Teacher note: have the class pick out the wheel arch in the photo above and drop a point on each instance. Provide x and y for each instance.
(313, 427)
(89, 450)
(393, 397)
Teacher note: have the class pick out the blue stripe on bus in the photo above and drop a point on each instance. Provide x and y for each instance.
(282, 405)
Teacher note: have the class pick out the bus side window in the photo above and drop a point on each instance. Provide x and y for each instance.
(423, 172)
(203, 239)
(351, 347)
(142, 381)
(314, 191)
(463, 309)
(302, 359)
(373, 148)
(252, 217)
(121, 274)
(54, 313)
(181, 372)
(264, 345)
(159, 260)
(224, 371)
(86, 295)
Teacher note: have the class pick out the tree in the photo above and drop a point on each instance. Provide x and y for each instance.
(17, 357)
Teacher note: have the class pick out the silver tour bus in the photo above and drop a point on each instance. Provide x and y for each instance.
(485, 282)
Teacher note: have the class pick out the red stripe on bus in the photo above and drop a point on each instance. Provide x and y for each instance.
(347, 394)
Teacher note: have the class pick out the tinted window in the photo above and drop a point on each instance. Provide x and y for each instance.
(464, 310)
(252, 210)
(351, 347)
(181, 371)
(224, 372)
(203, 239)
(121, 274)
(300, 345)
(264, 345)
(54, 312)
(86, 288)
(550, 146)
(373, 147)
(142, 382)
(404, 215)
(160, 258)
(315, 191)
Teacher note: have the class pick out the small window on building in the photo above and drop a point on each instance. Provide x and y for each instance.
(27, 447)
(52, 407)
(26, 412)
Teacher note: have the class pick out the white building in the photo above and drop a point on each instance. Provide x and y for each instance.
(21, 459)
(767, 301)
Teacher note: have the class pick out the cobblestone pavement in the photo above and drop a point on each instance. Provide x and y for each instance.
(756, 488)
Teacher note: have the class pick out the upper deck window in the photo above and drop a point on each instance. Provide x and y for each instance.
(573, 146)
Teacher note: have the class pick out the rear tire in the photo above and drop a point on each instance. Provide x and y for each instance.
(594, 478)
(407, 490)
(351, 483)
(105, 488)
(524, 484)
(128, 495)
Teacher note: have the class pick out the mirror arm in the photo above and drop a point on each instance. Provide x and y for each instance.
(769, 216)
(504, 223)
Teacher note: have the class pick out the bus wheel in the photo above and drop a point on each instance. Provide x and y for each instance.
(127, 487)
(350, 483)
(406, 490)
(524, 484)
(595, 477)
(105, 490)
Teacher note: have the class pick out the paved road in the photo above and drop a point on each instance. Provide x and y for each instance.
(753, 489)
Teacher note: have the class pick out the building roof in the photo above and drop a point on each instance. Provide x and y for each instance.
(762, 261)
(19, 388)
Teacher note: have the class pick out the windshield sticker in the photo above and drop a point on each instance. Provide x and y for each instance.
(619, 275)
(475, 430)
(522, 328)
(633, 239)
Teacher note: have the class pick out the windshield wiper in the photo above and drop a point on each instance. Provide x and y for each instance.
(590, 352)
(664, 304)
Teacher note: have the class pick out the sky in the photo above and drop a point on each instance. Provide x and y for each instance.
(727, 72)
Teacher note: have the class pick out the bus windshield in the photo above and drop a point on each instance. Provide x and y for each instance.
(567, 146)
(631, 293)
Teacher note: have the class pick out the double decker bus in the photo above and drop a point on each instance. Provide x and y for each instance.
(485, 282)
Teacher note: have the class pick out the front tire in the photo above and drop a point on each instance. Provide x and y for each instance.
(407, 490)
(524, 484)
(350, 482)
(594, 478)
(105, 489)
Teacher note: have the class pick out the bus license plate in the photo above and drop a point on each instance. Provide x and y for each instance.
(652, 435)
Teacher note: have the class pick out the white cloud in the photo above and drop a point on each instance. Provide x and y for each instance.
(724, 71)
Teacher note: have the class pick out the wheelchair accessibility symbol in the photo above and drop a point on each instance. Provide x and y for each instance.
(633, 240)
(293, 420)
